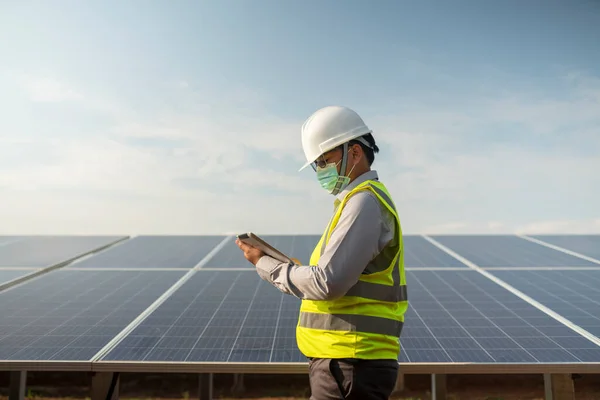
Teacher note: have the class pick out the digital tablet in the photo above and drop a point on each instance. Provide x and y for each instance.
(254, 241)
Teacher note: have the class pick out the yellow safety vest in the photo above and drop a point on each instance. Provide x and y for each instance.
(367, 321)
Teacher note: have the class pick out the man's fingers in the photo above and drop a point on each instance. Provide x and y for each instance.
(245, 247)
(251, 253)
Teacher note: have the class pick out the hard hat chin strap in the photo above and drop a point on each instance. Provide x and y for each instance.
(344, 159)
(342, 180)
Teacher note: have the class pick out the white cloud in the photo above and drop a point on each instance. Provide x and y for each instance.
(171, 172)
(574, 113)
(49, 90)
(446, 178)
(495, 225)
(447, 227)
(194, 166)
(498, 190)
(562, 226)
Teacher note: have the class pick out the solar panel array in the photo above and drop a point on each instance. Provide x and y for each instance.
(483, 299)
(44, 251)
(23, 256)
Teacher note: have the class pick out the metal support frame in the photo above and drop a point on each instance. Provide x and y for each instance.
(18, 383)
(238, 384)
(438, 387)
(105, 386)
(205, 387)
(399, 387)
(559, 387)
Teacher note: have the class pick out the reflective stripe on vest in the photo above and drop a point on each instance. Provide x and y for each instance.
(351, 323)
(378, 292)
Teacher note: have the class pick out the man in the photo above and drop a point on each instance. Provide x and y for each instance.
(353, 291)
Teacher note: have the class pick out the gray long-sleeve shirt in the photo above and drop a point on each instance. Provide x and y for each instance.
(365, 227)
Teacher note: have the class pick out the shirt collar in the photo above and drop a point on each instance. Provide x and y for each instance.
(369, 175)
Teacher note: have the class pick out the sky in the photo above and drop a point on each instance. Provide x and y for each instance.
(156, 117)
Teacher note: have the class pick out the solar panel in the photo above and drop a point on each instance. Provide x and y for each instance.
(217, 316)
(419, 253)
(574, 294)
(462, 316)
(507, 251)
(587, 245)
(44, 251)
(297, 246)
(71, 315)
(7, 275)
(154, 252)
(455, 316)
(4, 240)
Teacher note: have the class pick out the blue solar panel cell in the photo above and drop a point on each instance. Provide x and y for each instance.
(507, 251)
(154, 252)
(71, 315)
(296, 246)
(7, 275)
(461, 316)
(217, 316)
(587, 245)
(574, 294)
(419, 253)
(454, 316)
(4, 240)
(44, 251)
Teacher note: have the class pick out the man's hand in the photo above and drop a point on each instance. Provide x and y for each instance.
(251, 254)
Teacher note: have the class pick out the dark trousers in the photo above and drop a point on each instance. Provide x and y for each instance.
(352, 379)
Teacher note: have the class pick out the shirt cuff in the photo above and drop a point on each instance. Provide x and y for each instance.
(265, 267)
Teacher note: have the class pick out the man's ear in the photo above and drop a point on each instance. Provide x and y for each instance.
(357, 153)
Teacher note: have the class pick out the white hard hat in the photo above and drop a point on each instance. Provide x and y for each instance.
(328, 128)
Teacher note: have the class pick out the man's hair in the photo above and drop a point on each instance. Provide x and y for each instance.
(369, 151)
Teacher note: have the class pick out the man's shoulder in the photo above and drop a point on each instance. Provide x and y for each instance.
(362, 199)
(364, 205)
(371, 186)
(365, 201)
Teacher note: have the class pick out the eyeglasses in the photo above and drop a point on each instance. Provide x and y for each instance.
(322, 162)
(319, 163)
